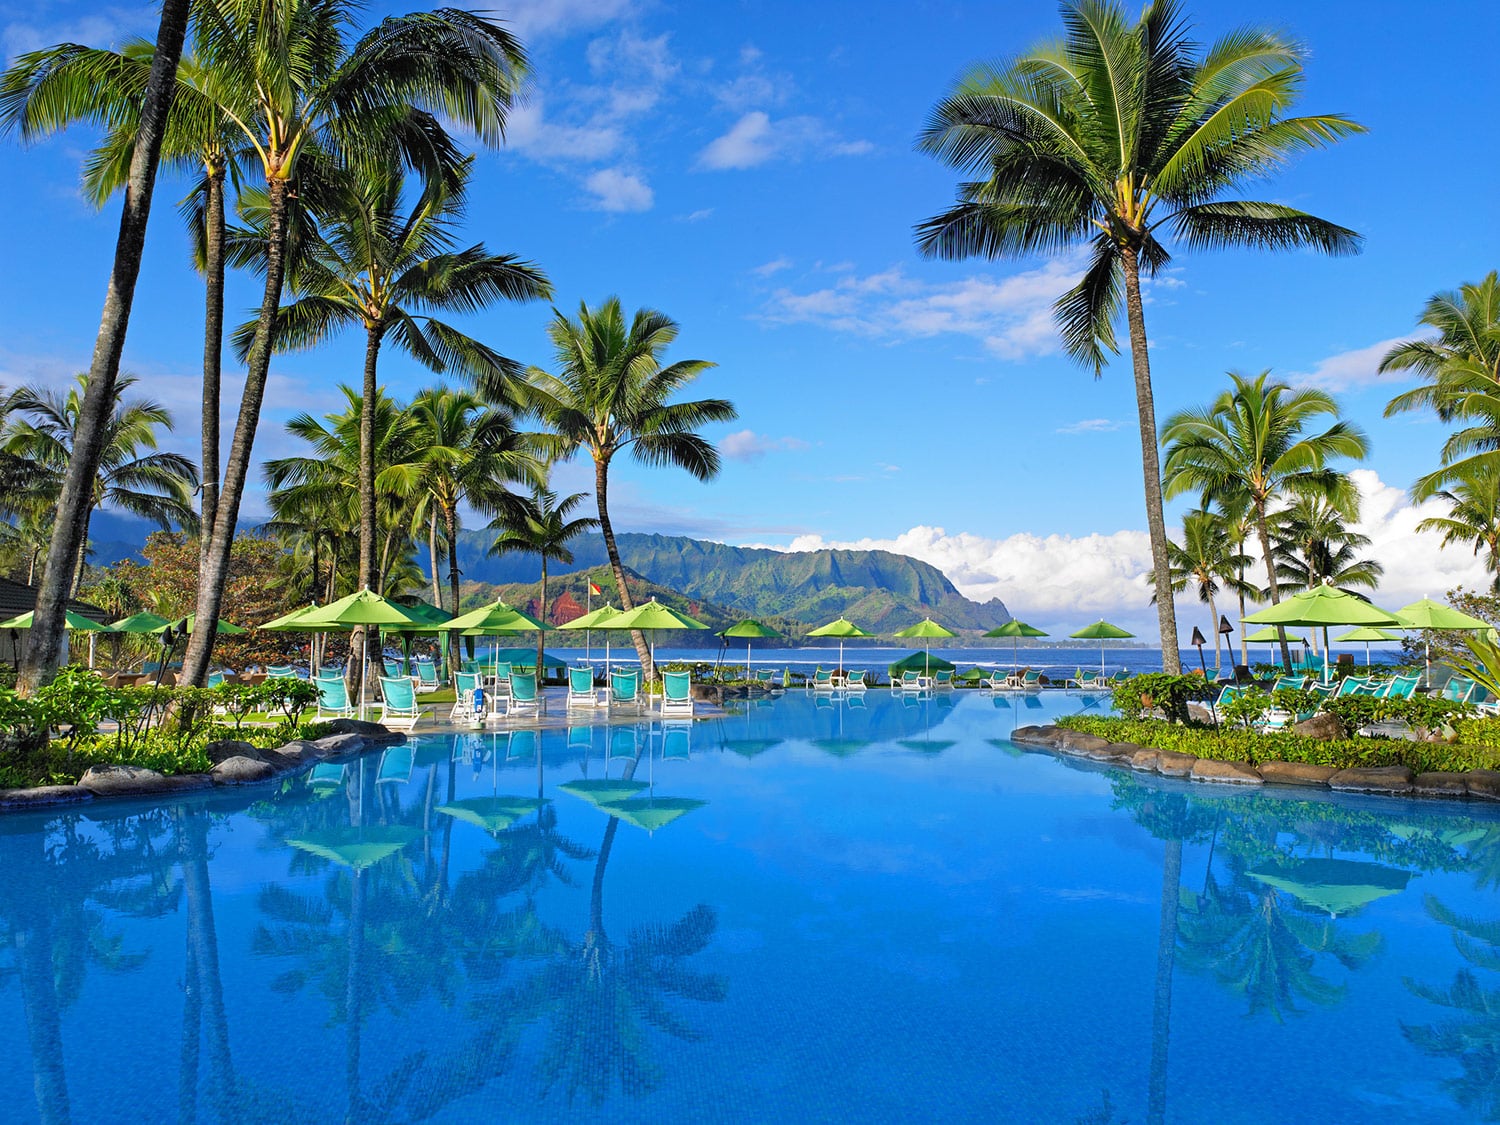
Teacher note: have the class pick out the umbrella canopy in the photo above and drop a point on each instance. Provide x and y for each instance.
(1368, 633)
(1334, 886)
(364, 607)
(1015, 629)
(1323, 605)
(497, 617)
(189, 624)
(749, 629)
(428, 614)
(924, 629)
(1428, 614)
(651, 813)
(654, 615)
(73, 620)
(291, 622)
(600, 791)
(916, 661)
(841, 629)
(1101, 631)
(139, 623)
(600, 618)
(357, 848)
(1267, 636)
(493, 814)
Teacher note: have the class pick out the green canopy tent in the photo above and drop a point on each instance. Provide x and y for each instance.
(364, 607)
(925, 629)
(1321, 607)
(1428, 615)
(749, 630)
(917, 661)
(1101, 631)
(1368, 634)
(139, 623)
(1015, 629)
(652, 617)
(600, 619)
(841, 629)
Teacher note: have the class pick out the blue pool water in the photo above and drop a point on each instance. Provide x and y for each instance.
(877, 913)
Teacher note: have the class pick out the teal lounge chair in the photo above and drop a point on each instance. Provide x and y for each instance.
(1458, 689)
(427, 677)
(581, 691)
(326, 777)
(1402, 687)
(624, 743)
(392, 667)
(676, 742)
(524, 698)
(521, 746)
(677, 693)
(581, 741)
(855, 681)
(280, 672)
(822, 680)
(398, 703)
(625, 690)
(1031, 680)
(1000, 680)
(470, 666)
(396, 764)
(333, 699)
(943, 678)
(464, 686)
(912, 680)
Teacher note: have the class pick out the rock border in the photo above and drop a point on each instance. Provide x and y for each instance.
(235, 764)
(1387, 781)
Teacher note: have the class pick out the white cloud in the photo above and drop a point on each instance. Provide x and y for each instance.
(756, 138)
(1011, 316)
(530, 132)
(775, 265)
(620, 191)
(697, 216)
(533, 18)
(100, 27)
(1356, 369)
(1089, 426)
(747, 445)
(1416, 566)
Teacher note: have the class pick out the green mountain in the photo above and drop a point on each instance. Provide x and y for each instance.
(876, 589)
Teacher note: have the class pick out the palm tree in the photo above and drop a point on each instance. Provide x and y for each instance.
(44, 639)
(1314, 545)
(302, 93)
(1473, 496)
(541, 527)
(1121, 135)
(610, 395)
(1208, 558)
(131, 473)
(1248, 449)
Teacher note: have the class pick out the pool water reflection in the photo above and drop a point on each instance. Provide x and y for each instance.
(815, 908)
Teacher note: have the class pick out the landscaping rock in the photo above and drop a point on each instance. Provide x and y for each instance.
(336, 745)
(1171, 763)
(299, 750)
(372, 732)
(1373, 779)
(1080, 743)
(1229, 773)
(44, 795)
(1200, 713)
(230, 748)
(1484, 784)
(1295, 773)
(1322, 726)
(1440, 784)
(123, 781)
(1117, 752)
(242, 771)
(1145, 760)
(1034, 736)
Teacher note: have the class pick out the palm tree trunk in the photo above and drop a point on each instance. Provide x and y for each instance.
(44, 640)
(1166, 956)
(1213, 621)
(215, 572)
(1156, 524)
(213, 350)
(1244, 644)
(432, 555)
(83, 552)
(1265, 549)
(362, 639)
(192, 1032)
(601, 493)
(541, 615)
(450, 528)
(205, 943)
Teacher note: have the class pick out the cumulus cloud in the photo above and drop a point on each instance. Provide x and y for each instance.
(757, 138)
(1355, 369)
(531, 132)
(1089, 426)
(1011, 316)
(1416, 566)
(533, 18)
(775, 265)
(747, 445)
(619, 191)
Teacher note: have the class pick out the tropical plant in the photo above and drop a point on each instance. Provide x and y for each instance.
(1249, 449)
(541, 527)
(75, 501)
(1121, 135)
(131, 473)
(1314, 545)
(611, 395)
(1210, 560)
(1473, 495)
(302, 93)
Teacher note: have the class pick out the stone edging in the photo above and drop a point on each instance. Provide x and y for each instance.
(235, 763)
(1393, 781)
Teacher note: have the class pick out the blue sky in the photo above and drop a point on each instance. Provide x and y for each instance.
(748, 168)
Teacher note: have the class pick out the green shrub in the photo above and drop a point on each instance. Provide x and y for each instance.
(1246, 708)
(1171, 693)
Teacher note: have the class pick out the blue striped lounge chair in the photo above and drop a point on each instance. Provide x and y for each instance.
(398, 703)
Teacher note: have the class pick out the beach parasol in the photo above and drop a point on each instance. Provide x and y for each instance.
(650, 812)
(916, 661)
(1270, 635)
(1334, 886)
(925, 629)
(841, 629)
(651, 617)
(71, 620)
(1368, 633)
(596, 619)
(1428, 615)
(493, 814)
(189, 625)
(1101, 631)
(749, 629)
(496, 619)
(357, 848)
(1015, 629)
(364, 607)
(142, 622)
(1321, 607)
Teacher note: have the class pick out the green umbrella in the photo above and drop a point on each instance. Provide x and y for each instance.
(1367, 634)
(926, 629)
(364, 607)
(1270, 635)
(189, 624)
(598, 791)
(1321, 607)
(1334, 886)
(493, 814)
(290, 622)
(841, 629)
(139, 623)
(73, 621)
(653, 616)
(596, 619)
(750, 629)
(916, 662)
(1427, 615)
(357, 848)
(1101, 631)
(1014, 629)
(751, 747)
(651, 813)
(497, 617)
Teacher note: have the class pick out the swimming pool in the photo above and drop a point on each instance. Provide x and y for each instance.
(810, 910)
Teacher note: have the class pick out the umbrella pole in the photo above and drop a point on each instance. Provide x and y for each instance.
(1326, 654)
